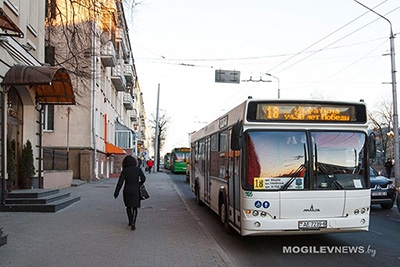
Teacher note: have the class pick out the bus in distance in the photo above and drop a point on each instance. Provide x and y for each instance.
(167, 157)
(276, 167)
(178, 159)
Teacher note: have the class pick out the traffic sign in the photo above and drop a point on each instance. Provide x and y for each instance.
(227, 76)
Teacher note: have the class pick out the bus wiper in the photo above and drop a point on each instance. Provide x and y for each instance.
(299, 170)
(335, 182)
(295, 175)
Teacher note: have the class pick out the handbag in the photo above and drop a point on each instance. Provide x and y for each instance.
(143, 192)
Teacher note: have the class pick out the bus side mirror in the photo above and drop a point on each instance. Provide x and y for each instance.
(372, 146)
(237, 136)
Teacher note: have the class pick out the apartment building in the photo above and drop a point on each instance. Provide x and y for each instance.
(27, 85)
(68, 86)
(91, 40)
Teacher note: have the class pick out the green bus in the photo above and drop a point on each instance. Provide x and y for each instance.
(166, 161)
(178, 159)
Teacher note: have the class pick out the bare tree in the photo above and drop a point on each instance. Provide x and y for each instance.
(70, 27)
(381, 121)
(163, 121)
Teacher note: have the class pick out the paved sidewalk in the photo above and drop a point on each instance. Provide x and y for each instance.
(95, 232)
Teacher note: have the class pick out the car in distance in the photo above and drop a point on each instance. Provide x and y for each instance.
(383, 191)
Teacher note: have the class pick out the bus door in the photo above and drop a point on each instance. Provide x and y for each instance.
(234, 187)
(207, 151)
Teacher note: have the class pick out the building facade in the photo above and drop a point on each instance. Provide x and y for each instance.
(91, 40)
(26, 86)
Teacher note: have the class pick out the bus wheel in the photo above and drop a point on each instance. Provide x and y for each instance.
(223, 215)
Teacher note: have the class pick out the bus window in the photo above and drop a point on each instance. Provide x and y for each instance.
(274, 157)
(337, 157)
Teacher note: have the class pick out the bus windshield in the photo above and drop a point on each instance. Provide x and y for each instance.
(296, 160)
(181, 156)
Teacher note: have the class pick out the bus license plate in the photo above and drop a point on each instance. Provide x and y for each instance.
(312, 224)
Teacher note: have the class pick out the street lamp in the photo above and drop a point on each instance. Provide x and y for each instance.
(279, 86)
(394, 93)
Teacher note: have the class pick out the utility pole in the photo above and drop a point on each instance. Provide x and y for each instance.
(156, 133)
(394, 93)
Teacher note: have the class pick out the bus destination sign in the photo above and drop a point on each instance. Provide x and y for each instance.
(305, 112)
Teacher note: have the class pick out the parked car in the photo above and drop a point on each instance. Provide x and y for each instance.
(383, 191)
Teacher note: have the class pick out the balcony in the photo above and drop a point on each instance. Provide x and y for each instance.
(128, 73)
(118, 79)
(128, 101)
(107, 55)
(133, 115)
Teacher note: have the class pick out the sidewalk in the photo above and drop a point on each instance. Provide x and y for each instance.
(95, 232)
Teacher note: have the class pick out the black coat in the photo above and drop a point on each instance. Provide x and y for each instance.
(133, 177)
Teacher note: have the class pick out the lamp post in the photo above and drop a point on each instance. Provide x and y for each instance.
(279, 86)
(394, 93)
(156, 156)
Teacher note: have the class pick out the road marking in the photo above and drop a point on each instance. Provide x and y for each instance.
(376, 232)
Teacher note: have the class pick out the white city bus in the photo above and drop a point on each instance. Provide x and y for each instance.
(271, 167)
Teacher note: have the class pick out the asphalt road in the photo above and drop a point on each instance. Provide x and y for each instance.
(378, 247)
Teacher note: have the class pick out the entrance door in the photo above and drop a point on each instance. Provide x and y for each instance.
(207, 187)
(234, 187)
(14, 129)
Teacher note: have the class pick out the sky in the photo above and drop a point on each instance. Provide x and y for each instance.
(335, 50)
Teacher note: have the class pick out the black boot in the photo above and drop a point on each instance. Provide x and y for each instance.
(130, 215)
(133, 227)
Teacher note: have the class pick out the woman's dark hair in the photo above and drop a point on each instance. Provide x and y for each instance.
(129, 161)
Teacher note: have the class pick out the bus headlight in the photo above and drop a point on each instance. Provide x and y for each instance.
(363, 210)
(263, 214)
(257, 224)
(255, 213)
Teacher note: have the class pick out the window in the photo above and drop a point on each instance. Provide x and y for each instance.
(48, 118)
(214, 142)
(282, 160)
(123, 139)
(274, 158)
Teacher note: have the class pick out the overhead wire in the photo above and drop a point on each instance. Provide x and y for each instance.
(325, 47)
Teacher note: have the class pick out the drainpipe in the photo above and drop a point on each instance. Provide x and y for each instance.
(94, 70)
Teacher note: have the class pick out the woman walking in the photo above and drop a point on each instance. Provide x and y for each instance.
(133, 177)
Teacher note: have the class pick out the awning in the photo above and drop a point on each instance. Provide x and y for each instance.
(52, 85)
(8, 25)
(111, 149)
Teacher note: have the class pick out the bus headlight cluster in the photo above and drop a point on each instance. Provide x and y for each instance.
(257, 213)
(362, 210)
